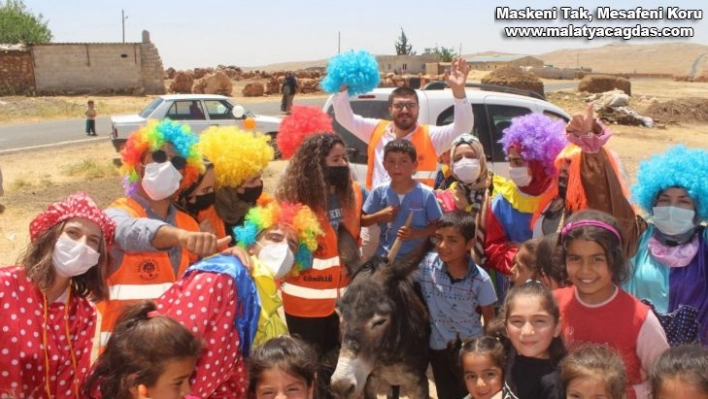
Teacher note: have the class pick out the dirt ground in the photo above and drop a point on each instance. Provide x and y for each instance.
(35, 178)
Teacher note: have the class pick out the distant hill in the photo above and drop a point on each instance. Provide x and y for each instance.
(678, 58)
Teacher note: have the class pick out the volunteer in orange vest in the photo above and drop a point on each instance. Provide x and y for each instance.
(318, 176)
(231, 184)
(155, 242)
(430, 141)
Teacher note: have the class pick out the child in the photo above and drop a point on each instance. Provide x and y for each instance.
(483, 362)
(524, 267)
(680, 372)
(149, 355)
(531, 324)
(390, 203)
(282, 367)
(594, 371)
(550, 269)
(90, 119)
(595, 309)
(453, 287)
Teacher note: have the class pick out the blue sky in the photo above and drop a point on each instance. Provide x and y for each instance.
(192, 33)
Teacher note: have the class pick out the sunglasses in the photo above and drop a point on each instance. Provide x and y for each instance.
(178, 162)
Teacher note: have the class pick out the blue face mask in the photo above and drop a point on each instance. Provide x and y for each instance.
(672, 220)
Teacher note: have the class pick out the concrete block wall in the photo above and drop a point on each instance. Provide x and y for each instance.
(94, 68)
(152, 70)
(16, 72)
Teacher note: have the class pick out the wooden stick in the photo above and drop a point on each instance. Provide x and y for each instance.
(397, 244)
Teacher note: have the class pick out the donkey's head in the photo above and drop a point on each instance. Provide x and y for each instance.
(375, 314)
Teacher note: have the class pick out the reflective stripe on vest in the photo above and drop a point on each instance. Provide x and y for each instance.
(125, 292)
(427, 157)
(144, 275)
(313, 292)
(322, 264)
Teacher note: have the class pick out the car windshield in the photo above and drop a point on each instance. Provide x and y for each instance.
(147, 111)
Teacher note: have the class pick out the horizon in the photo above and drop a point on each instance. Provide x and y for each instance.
(248, 36)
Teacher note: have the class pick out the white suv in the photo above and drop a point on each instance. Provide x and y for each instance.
(493, 111)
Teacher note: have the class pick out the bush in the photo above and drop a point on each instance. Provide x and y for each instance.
(603, 83)
(511, 76)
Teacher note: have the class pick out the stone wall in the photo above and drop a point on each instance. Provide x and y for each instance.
(77, 68)
(16, 72)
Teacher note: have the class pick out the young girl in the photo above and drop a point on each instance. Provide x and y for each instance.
(594, 371)
(149, 355)
(282, 367)
(680, 372)
(483, 361)
(531, 324)
(595, 309)
(550, 269)
(48, 321)
(524, 266)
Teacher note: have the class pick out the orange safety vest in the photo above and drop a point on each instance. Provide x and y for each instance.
(313, 292)
(427, 157)
(216, 222)
(141, 275)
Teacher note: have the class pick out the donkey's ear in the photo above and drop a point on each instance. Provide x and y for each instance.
(349, 253)
(408, 264)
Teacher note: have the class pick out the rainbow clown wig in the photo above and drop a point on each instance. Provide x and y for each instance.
(303, 121)
(153, 136)
(677, 167)
(537, 138)
(237, 155)
(297, 216)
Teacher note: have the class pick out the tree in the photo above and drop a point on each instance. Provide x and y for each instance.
(20, 25)
(402, 46)
(445, 54)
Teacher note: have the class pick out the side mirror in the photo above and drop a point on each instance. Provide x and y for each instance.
(238, 112)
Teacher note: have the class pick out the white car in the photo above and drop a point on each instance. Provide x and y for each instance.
(199, 111)
(493, 111)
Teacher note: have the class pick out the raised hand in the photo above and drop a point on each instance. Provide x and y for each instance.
(582, 124)
(457, 77)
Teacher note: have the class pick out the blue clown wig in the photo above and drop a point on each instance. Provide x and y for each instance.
(677, 167)
(537, 137)
(356, 69)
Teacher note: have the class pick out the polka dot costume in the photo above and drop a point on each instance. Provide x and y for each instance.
(22, 352)
(206, 304)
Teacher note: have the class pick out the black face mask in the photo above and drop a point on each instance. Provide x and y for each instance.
(201, 202)
(337, 176)
(251, 194)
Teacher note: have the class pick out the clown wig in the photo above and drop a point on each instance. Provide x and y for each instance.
(152, 137)
(299, 217)
(358, 70)
(537, 137)
(677, 167)
(302, 122)
(237, 155)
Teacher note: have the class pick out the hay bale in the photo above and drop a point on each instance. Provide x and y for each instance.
(603, 83)
(515, 77)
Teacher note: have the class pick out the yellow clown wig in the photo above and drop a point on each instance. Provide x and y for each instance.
(299, 217)
(236, 154)
(153, 136)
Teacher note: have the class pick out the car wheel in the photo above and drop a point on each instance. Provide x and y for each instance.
(276, 150)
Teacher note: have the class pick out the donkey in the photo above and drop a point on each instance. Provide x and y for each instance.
(384, 327)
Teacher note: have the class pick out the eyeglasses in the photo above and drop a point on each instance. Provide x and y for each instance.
(410, 105)
(160, 156)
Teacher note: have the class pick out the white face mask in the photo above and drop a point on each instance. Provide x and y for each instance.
(520, 176)
(672, 220)
(467, 170)
(72, 258)
(161, 180)
(278, 258)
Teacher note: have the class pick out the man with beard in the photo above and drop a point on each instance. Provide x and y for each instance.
(429, 141)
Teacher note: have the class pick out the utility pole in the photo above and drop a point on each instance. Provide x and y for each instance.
(122, 21)
(339, 42)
